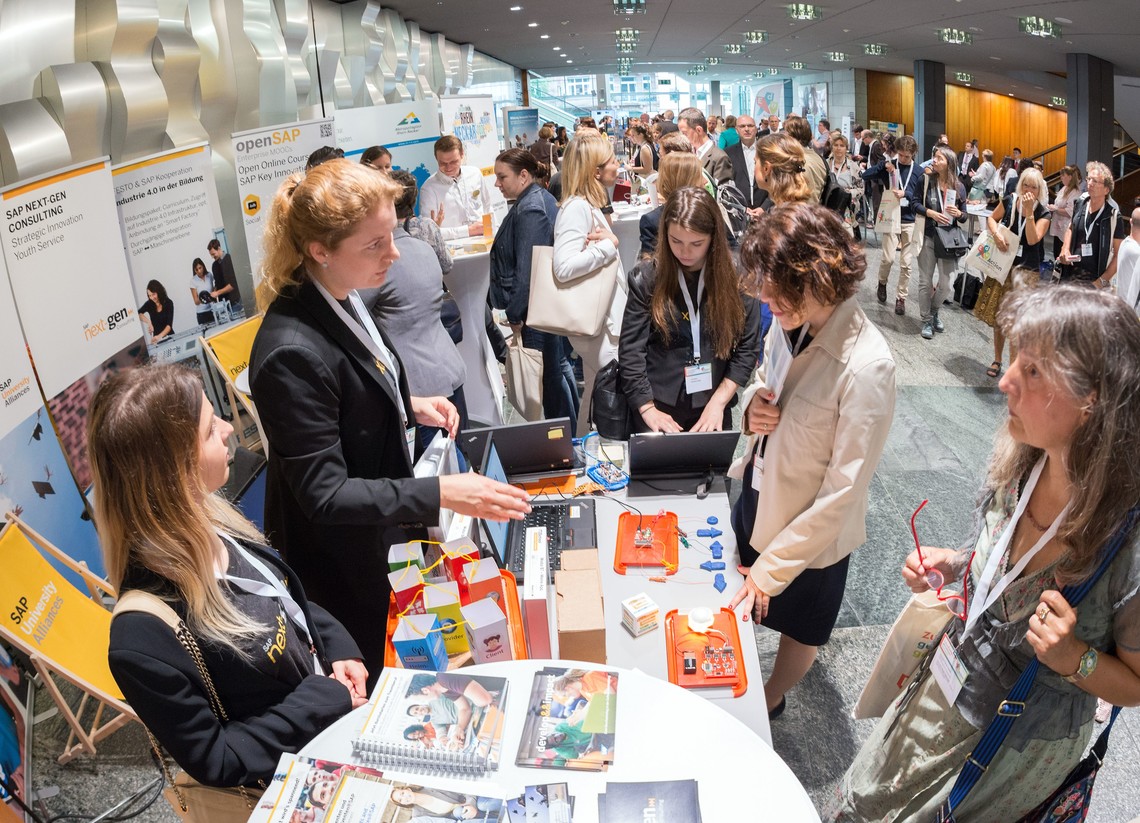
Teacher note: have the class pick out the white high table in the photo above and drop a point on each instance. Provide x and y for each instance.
(663, 733)
(469, 281)
(626, 225)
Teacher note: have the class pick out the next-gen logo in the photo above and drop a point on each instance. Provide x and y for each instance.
(112, 321)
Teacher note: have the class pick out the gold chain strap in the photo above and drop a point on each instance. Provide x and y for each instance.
(165, 769)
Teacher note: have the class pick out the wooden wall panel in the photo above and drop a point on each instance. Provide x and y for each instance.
(999, 122)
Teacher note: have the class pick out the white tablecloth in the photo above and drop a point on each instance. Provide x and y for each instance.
(469, 281)
(626, 220)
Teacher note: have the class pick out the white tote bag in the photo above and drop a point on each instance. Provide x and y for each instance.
(888, 220)
(578, 307)
(986, 258)
(524, 380)
(911, 637)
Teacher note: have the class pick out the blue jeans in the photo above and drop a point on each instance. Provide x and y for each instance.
(559, 388)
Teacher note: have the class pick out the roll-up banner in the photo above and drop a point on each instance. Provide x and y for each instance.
(472, 120)
(168, 212)
(408, 130)
(520, 125)
(72, 290)
(264, 157)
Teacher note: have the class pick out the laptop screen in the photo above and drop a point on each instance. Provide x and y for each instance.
(496, 532)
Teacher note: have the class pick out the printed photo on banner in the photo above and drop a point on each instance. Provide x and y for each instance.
(811, 101)
(520, 125)
(16, 698)
(408, 130)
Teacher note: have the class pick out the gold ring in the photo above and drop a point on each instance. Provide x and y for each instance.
(1043, 611)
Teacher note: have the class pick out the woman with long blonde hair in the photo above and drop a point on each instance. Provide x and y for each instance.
(283, 668)
(781, 170)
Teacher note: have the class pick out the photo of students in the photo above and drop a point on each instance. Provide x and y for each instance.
(157, 313)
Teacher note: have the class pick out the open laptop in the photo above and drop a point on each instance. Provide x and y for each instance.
(528, 451)
(570, 524)
(679, 463)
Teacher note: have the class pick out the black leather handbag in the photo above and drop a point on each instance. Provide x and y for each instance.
(950, 242)
(609, 408)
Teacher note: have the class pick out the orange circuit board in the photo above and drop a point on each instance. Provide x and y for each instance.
(646, 541)
(708, 659)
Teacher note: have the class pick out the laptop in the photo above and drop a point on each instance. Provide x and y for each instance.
(679, 463)
(528, 451)
(570, 524)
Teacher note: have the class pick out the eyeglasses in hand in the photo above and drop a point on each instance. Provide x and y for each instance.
(955, 601)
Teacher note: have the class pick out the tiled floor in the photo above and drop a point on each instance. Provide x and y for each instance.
(946, 415)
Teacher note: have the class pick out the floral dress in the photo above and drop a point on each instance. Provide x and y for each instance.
(908, 765)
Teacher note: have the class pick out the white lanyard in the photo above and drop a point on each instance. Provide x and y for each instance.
(987, 592)
(366, 332)
(694, 312)
(271, 587)
(1090, 223)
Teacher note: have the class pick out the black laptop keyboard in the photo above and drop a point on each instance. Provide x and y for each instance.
(554, 519)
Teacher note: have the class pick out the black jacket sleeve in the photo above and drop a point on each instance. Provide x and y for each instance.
(648, 227)
(532, 228)
(338, 643)
(744, 357)
(634, 342)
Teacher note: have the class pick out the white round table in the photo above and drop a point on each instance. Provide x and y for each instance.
(626, 226)
(663, 733)
(469, 281)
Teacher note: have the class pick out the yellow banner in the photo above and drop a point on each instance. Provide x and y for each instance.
(233, 346)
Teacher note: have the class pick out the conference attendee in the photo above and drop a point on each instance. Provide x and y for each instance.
(729, 136)
(695, 129)
(678, 143)
(321, 155)
(1063, 205)
(1007, 176)
(982, 180)
(334, 405)
(561, 138)
(586, 123)
(377, 157)
(159, 311)
(1092, 242)
(1025, 214)
(892, 176)
(1063, 475)
(816, 169)
(584, 243)
(283, 668)
(643, 154)
(742, 155)
(667, 125)
(530, 223)
(938, 199)
(771, 126)
(689, 339)
(848, 176)
(1128, 264)
(861, 143)
(421, 228)
(543, 148)
(808, 460)
(678, 169)
(225, 280)
(780, 170)
(968, 164)
(201, 285)
(822, 141)
(457, 196)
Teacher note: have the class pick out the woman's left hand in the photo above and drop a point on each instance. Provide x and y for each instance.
(354, 676)
(1052, 638)
(711, 419)
(437, 412)
(755, 601)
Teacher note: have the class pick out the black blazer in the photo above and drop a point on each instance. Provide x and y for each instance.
(266, 716)
(653, 370)
(339, 485)
(752, 193)
(647, 227)
(965, 179)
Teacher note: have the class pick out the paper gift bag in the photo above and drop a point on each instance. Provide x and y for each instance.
(419, 643)
(487, 631)
(483, 580)
(888, 220)
(442, 600)
(405, 554)
(408, 586)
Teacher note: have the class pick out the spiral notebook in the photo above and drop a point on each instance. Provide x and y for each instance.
(437, 722)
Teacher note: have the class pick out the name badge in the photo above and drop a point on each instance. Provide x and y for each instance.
(903, 202)
(949, 671)
(1086, 249)
(757, 470)
(698, 378)
(1021, 251)
(410, 441)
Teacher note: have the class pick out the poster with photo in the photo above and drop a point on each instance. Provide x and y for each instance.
(17, 697)
(472, 120)
(408, 130)
(811, 102)
(520, 125)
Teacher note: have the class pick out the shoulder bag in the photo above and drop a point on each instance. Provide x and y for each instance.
(524, 379)
(950, 242)
(609, 409)
(577, 307)
(189, 799)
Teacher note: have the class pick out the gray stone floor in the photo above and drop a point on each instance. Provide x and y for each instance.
(946, 414)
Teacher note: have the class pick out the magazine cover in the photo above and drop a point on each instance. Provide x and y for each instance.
(571, 720)
(662, 801)
(438, 720)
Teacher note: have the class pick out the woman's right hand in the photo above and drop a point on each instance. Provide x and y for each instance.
(763, 416)
(481, 497)
(600, 233)
(914, 571)
(659, 421)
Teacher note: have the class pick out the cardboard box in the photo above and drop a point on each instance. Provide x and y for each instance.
(579, 608)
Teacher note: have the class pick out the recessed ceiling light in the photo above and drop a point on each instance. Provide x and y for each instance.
(964, 77)
(755, 37)
(516, 8)
(995, 58)
(835, 56)
(874, 49)
(1058, 101)
(795, 64)
(569, 61)
(1039, 27)
(544, 37)
(1010, 93)
(532, 25)
(955, 37)
(557, 48)
(804, 11)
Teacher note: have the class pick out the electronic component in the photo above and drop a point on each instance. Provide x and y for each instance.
(645, 541)
(703, 655)
(689, 663)
(643, 537)
(608, 476)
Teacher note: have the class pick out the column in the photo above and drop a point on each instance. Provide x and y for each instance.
(929, 104)
(714, 98)
(1089, 96)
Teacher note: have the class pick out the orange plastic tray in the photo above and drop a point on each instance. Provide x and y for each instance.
(676, 641)
(514, 622)
(663, 552)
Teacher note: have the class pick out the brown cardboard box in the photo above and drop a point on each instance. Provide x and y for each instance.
(579, 608)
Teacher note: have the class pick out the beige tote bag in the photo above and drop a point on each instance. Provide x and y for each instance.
(524, 380)
(577, 308)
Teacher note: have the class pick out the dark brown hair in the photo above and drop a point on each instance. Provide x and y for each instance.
(449, 142)
(800, 249)
(798, 128)
(520, 160)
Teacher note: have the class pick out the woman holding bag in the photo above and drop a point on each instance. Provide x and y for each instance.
(585, 246)
(939, 197)
(1064, 474)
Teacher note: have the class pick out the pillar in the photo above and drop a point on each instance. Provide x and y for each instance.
(1089, 96)
(714, 98)
(929, 104)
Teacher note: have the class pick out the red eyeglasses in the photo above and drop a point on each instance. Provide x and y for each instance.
(955, 601)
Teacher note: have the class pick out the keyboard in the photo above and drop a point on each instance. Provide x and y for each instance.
(553, 518)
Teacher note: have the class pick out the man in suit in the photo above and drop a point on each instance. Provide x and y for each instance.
(694, 126)
(743, 158)
(969, 164)
(771, 126)
(667, 125)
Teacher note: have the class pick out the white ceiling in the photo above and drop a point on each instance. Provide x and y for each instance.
(675, 34)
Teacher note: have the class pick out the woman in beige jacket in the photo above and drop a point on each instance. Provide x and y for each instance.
(814, 440)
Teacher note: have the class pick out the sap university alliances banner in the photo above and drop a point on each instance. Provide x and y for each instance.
(264, 158)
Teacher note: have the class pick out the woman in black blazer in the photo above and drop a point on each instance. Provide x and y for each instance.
(334, 404)
(672, 384)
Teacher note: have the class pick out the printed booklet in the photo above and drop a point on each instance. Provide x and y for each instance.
(571, 720)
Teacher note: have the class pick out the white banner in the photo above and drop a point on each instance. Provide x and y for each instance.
(520, 125)
(264, 157)
(19, 393)
(68, 272)
(408, 130)
(472, 120)
(168, 212)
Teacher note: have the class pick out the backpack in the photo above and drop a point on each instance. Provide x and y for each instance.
(734, 208)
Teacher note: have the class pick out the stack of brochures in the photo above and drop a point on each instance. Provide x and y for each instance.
(544, 803)
(571, 720)
(324, 791)
(434, 722)
(662, 801)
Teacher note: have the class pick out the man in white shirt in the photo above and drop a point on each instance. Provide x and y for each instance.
(742, 155)
(457, 196)
(693, 125)
(1128, 265)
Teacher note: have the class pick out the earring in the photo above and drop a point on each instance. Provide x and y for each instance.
(324, 264)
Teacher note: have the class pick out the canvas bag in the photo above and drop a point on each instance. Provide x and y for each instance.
(524, 379)
(985, 256)
(888, 220)
(576, 308)
(913, 634)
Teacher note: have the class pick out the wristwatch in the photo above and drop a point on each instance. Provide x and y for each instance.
(1085, 668)
(1102, 283)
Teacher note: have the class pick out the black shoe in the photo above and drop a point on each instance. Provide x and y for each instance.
(900, 305)
(882, 293)
(779, 710)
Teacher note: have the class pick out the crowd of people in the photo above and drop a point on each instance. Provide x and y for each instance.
(353, 369)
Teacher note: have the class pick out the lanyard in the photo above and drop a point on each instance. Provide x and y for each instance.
(694, 311)
(1090, 223)
(366, 332)
(987, 591)
(465, 199)
(271, 586)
